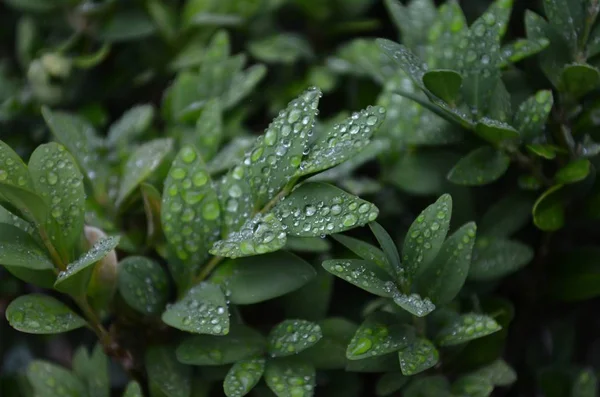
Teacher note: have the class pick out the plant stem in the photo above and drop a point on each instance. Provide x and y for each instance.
(94, 322)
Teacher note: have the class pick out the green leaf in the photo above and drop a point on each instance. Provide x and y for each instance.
(41, 314)
(288, 378)
(131, 125)
(394, 266)
(405, 59)
(259, 278)
(243, 376)
(240, 343)
(172, 378)
(75, 278)
(387, 362)
(472, 385)
(575, 171)
(497, 257)
(507, 215)
(426, 235)
(366, 251)
(446, 275)
(412, 20)
(152, 208)
(311, 302)
(29, 204)
(548, 210)
(422, 173)
(428, 386)
(260, 235)
(521, 49)
(586, 384)
(379, 334)
(12, 169)
(209, 129)
(190, 213)
(480, 167)
(579, 79)
(127, 25)
(363, 274)
(234, 191)
(317, 209)
(418, 356)
(445, 34)
(141, 164)
(57, 179)
(293, 336)
(343, 141)
(133, 389)
(330, 351)
(307, 244)
(443, 83)
(143, 284)
(466, 328)
(567, 17)
(286, 48)
(203, 310)
(7, 217)
(92, 370)
(19, 249)
(413, 303)
(389, 383)
(51, 380)
(498, 373)
(495, 131)
(230, 154)
(547, 152)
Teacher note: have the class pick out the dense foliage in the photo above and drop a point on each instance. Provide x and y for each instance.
(418, 216)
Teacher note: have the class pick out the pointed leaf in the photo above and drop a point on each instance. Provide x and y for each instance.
(293, 336)
(260, 235)
(19, 249)
(143, 284)
(243, 376)
(209, 129)
(133, 389)
(405, 59)
(259, 278)
(51, 380)
(234, 192)
(342, 142)
(203, 310)
(472, 385)
(365, 251)
(445, 277)
(317, 209)
(31, 206)
(41, 314)
(12, 169)
(445, 34)
(547, 152)
(443, 83)
(413, 303)
(130, 125)
(497, 257)
(190, 212)
(521, 49)
(579, 79)
(426, 236)
(241, 343)
(7, 217)
(244, 83)
(548, 210)
(495, 131)
(413, 20)
(57, 179)
(379, 335)
(75, 278)
(389, 248)
(363, 274)
(330, 350)
(428, 386)
(586, 384)
(499, 373)
(418, 356)
(533, 113)
(141, 164)
(574, 171)
(288, 378)
(172, 378)
(481, 166)
(92, 370)
(567, 17)
(466, 328)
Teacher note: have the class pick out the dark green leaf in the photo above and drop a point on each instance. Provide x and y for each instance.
(422, 173)
(498, 373)
(366, 251)
(133, 389)
(586, 384)
(41, 314)
(579, 79)
(412, 20)
(288, 378)
(533, 113)
(445, 34)
(92, 370)
(243, 376)
(443, 83)
(51, 380)
(444, 278)
(495, 131)
(29, 204)
(284, 48)
(209, 129)
(567, 17)
(240, 343)
(234, 189)
(574, 171)
(203, 310)
(307, 244)
(152, 208)
(387, 362)
(466, 328)
(392, 257)
(521, 49)
(389, 383)
(12, 169)
(428, 386)
(472, 386)
(418, 356)
(75, 278)
(7, 217)
(143, 284)
(548, 210)
(19, 249)
(405, 59)
(482, 166)
(131, 125)
(260, 278)
(293, 336)
(311, 302)
(379, 334)
(413, 303)
(364, 274)
(330, 351)
(547, 152)
(497, 257)
(507, 216)
(127, 25)
(172, 378)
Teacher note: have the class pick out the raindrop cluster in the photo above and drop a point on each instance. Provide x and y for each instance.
(41, 314)
(414, 303)
(143, 284)
(418, 356)
(12, 169)
(51, 379)
(378, 336)
(467, 327)
(243, 376)
(360, 273)
(293, 336)
(288, 378)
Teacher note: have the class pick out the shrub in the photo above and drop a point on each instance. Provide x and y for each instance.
(431, 233)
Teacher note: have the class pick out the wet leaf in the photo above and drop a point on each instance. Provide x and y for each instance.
(548, 210)
(330, 351)
(472, 385)
(498, 373)
(209, 129)
(234, 197)
(426, 235)
(13, 170)
(363, 274)
(58, 181)
(495, 131)
(446, 275)
(7, 217)
(579, 79)
(386, 362)
(443, 83)
(497, 257)
(521, 49)
(143, 284)
(19, 249)
(405, 59)
(131, 125)
(75, 278)
(445, 34)
(365, 251)
(243, 376)
(285, 48)
(152, 208)
(379, 334)
(260, 235)
(240, 343)
(389, 383)
(203, 310)
(141, 164)
(259, 278)
(133, 389)
(317, 209)
(567, 17)
(52, 380)
(230, 154)
(466, 328)
(41, 314)
(413, 303)
(575, 171)
(418, 356)
(413, 20)
(586, 384)
(92, 370)
(293, 336)
(288, 378)
(392, 256)
(481, 166)
(169, 375)
(532, 115)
